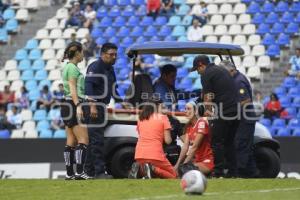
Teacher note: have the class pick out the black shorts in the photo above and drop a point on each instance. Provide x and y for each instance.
(68, 113)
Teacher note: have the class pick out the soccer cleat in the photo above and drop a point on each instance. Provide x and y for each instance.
(133, 173)
(148, 171)
(82, 176)
(68, 178)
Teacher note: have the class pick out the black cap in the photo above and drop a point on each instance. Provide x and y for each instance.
(201, 58)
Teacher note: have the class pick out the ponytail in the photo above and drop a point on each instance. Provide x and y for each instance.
(71, 50)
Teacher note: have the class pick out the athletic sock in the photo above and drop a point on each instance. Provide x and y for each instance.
(80, 155)
(69, 159)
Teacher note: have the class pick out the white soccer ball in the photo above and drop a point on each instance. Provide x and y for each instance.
(193, 182)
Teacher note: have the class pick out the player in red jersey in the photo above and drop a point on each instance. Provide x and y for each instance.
(196, 147)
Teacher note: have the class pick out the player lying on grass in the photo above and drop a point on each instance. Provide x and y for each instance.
(196, 147)
(154, 130)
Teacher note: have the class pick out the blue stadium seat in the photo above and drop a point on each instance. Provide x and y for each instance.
(183, 10)
(178, 31)
(32, 44)
(96, 32)
(273, 50)
(9, 14)
(140, 39)
(296, 102)
(46, 133)
(187, 20)
(21, 54)
(59, 134)
(297, 18)
(133, 21)
(294, 92)
(24, 64)
(253, 8)
(280, 91)
(246, 1)
(292, 28)
(105, 22)
(277, 28)
(114, 40)
(186, 83)
(278, 123)
(3, 35)
(34, 95)
(283, 132)
(147, 21)
(128, 11)
(123, 74)
(293, 123)
(160, 21)
(150, 31)
(12, 26)
(100, 41)
(114, 12)
(272, 18)
(260, 2)
(124, 2)
(154, 71)
(179, 2)
(123, 32)
(43, 124)
(268, 39)
(285, 101)
(182, 72)
(295, 7)
(35, 54)
(155, 38)
(266, 122)
(283, 39)
(111, 2)
(287, 17)
(31, 85)
(289, 82)
(263, 29)
(164, 31)
(41, 75)
(174, 21)
(267, 7)
(119, 21)
(38, 64)
(282, 7)
(193, 75)
(43, 83)
(126, 42)
(40, 115)
(292, 112)
(138, 2)
(170, 38)
(109, 32)
(296, 132)
(27, 75)
(142, 11)
(258, 18)
(136, 31)
(101, 12)
(197, 84)
(272, 130)
(4, 134)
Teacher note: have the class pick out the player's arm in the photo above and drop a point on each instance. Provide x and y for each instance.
(183, 151)
(193, 149)
(167, 136)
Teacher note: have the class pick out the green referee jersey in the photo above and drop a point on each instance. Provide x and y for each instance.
(72, 71)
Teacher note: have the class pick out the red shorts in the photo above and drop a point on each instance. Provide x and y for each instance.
(209, 163)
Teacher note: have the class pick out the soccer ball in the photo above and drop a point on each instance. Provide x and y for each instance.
(193, 182)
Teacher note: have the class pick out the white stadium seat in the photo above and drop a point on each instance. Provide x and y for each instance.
(32, 4)
(22, 15)
(26, 115)
(239, 8)
(2, 75)
(10, 65)
(225, 9)
(249, 29)
(3, 84)
(67, 33)
(230, 19)
(17, 134)
(264, 62)
(51, 64)
(217, 60)
(16, 85)
(237, 61)
(28, 125)
(62, 13)
(235, 29)
(211, 39)
(244, 19)
(48, 54)
(60, 54)
(55, 33)
(82, 32)
(212, 9)
(208, 30)
(31, 134)
(51, 24)
(62, 23)
(241, 69)
(220, 1)
(246, 49)
(45, 44)
(59, 44)
(249, 61)
(13, 75)
(55, 84)
(254, 72)
(55, 75)
(221, 30)
(225, 39)
(42, 34)
(216, 19)
(239, 40)
(82, 65)
(254, 40)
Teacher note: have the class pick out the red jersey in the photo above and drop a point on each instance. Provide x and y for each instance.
(273, 105)
(204, 151)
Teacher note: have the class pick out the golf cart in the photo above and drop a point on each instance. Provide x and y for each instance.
(121, 135)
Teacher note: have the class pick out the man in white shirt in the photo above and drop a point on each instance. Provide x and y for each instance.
(15, 117)
(194, 32)
(200, 12)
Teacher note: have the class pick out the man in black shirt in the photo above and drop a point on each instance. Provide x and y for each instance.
(221, 103)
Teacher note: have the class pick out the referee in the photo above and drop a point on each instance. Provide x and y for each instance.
(99, 88)
(219, 90)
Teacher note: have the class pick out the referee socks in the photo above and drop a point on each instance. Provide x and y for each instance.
(80, 155)
(69, 159)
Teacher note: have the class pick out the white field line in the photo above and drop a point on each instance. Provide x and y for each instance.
(219, 193)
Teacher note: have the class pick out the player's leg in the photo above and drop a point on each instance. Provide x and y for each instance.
(164, 169)
(69, 154)
(205, 168)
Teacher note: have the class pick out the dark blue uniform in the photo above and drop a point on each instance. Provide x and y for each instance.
(245, 133)
(101, 90)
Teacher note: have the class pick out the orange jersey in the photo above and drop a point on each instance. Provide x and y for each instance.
(204, 151)
(151, 137)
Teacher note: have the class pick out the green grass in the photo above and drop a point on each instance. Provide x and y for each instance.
(230, 189)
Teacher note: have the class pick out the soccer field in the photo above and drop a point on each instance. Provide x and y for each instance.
(230, 189)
